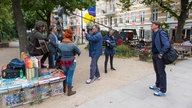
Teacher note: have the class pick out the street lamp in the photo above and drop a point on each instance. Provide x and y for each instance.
(82, 25)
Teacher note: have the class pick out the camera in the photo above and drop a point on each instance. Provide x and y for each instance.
(88, 30)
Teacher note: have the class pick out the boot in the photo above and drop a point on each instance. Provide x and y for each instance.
(70, 92)
(111, 63)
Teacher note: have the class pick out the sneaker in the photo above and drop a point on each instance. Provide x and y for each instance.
(159, 93)
(154, 87)
(97, 78)
(89, 81)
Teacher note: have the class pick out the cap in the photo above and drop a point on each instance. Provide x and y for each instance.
(156, 22)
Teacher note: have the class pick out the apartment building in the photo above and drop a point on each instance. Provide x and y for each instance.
(110, 13)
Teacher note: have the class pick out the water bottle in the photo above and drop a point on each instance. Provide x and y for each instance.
(21, 73)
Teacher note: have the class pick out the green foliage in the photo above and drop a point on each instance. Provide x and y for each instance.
(104, 32)
(125, 51)
(7, 27)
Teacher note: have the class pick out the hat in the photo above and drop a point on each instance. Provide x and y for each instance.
(156, 22)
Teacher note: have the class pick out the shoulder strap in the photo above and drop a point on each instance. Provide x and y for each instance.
(160, 38)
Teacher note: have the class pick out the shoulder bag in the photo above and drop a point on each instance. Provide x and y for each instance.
(171, 55)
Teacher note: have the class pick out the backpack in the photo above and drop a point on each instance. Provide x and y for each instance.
(16, 64)
(13, 69)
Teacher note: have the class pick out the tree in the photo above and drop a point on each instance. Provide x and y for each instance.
(20, 24)
(7, 29)
(44, 8)
(181, 14)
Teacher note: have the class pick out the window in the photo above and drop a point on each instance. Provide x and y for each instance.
(134, 2)
(105, 21)
(133, 16)
(169, 18)
(155, 14)
(126, 18)
(142, 16)
(101, 20)
(120, 19)
(115, 22)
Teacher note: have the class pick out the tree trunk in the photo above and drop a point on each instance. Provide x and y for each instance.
(20, 25)
(0, 36)
(48, 21)
(181, 20)
(179, 33)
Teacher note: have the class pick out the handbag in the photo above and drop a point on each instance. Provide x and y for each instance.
(171, 55)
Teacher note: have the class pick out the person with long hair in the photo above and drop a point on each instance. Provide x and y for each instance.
(68, 49)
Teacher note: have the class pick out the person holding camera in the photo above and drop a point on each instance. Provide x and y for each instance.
(109, 49)
(95, 51)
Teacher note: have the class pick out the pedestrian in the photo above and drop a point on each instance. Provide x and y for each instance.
(110, 44)
(68, 50)
(160, 45)
(95, 51)
(34, 47)
(52, 46)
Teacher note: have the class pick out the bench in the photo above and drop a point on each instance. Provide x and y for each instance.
(183, 50)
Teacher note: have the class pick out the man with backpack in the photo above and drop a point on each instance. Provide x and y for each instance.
(160, 45)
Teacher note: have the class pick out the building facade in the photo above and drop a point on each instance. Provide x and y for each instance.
(110, 13)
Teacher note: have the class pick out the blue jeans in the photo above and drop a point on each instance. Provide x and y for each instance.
(159, 67)
(94, 71)
(69, 71)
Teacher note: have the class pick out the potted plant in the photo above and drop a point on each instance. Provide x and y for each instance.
(144, 54)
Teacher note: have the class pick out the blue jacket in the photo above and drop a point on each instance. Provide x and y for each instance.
(162, 44)
(68, 50)
(52, 45)
(112, 42)
(95, 44)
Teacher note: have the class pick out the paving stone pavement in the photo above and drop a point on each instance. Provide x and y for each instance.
(137, 94)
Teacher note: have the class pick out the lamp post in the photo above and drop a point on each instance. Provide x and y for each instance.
(81, 27)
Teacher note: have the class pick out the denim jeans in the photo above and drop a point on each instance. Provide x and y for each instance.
(69, 71)
(52, 59)
(106, 60)
(94, 70)
(159, 67)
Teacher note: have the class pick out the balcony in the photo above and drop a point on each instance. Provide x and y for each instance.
(109, 12)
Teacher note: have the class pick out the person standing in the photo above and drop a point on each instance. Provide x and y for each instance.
(109, 49)
(95, 51)
(35, 35)
(68, 50)
(160, 45)
(53, 46)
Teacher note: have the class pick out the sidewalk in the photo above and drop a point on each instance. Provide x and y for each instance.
(137, 94)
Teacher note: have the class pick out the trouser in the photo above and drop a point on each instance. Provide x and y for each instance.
(106, 60)
(69, 71)
(52, 59)
(159, 67)
(44, 58)
(94, 70)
